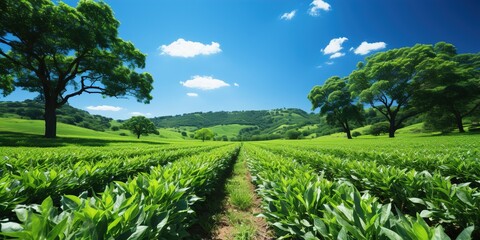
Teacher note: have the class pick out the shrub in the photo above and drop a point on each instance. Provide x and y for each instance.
(356, 134)
(115, 128)
(379, 128)
(439, 120)
(293, 134)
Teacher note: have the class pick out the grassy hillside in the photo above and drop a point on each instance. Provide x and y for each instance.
(229, 130)
(34, 110)
(23, 132)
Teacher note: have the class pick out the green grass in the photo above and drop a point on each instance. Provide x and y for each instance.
(38, 127)
(29, 133)
(230, 130)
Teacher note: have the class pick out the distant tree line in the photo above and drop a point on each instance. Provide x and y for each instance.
(401, 84)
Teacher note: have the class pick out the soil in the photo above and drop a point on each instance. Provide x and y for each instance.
(225, 231)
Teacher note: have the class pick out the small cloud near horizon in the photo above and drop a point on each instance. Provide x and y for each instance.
(140, 114)
(104, 108)
(204, 83)
(191, 94)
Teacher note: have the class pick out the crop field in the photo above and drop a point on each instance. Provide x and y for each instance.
(327, 188)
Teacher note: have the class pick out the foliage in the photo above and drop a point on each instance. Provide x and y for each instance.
(335, 101)
(293, 134)
(300, 204)
(140, 125)
(356, 134)
(439, 119)
(385, 82)
(204, 134)
(61, 51)
(379, 128)
(449, 83)
(155, 205)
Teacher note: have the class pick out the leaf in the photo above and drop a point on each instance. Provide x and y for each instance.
(426, 214)
(420, 231)
(138, 234)
(462, 195)
(164, 222)
(57, 230)
(309, 236)
(390, 234)
(11, 227)
(440, 234)
(466, 233)
(113, 224)
(417, 200)
(22, 214)
(320, 226)
(70, 202)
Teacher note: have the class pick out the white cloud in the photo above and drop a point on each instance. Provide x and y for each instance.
(351, 49)
(191, 94)
(187, 49)
(329, 63)
(140, 114)
(288, 16)
(366, 48)
(319, 66)
(334, 46)
(337, 55)
(318, 5)
(204, 83)
(236, 85)
(104, 108)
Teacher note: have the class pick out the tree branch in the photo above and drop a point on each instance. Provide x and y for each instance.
(471, 110)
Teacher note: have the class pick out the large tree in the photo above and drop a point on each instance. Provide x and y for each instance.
(449, 84)
(140, 125)
(385, 82)
(61, 51)
(204, 134)
(335, 101)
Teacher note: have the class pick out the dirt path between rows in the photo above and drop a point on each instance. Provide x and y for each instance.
(253, 227)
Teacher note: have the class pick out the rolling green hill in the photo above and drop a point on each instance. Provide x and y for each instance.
(34, 110)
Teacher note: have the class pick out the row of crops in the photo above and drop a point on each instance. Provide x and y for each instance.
(368, 190)
(332, 192)
(124, 193)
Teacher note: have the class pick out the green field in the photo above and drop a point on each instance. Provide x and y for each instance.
(229, 130)
(414, 186)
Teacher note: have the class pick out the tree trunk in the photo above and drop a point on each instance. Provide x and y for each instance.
(347, 130)
(349, 135)
(392, 129)
(50, 119)
(138, 136)
(458, 120)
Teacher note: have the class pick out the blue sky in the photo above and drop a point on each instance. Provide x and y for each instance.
(214, 55)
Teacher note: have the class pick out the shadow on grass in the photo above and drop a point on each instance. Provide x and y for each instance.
(15, 139)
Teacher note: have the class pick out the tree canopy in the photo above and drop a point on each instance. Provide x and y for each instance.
(140, 125)
(385, 82)
(61, 52)
(204, 134)
(335, 101)
(448, 84)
